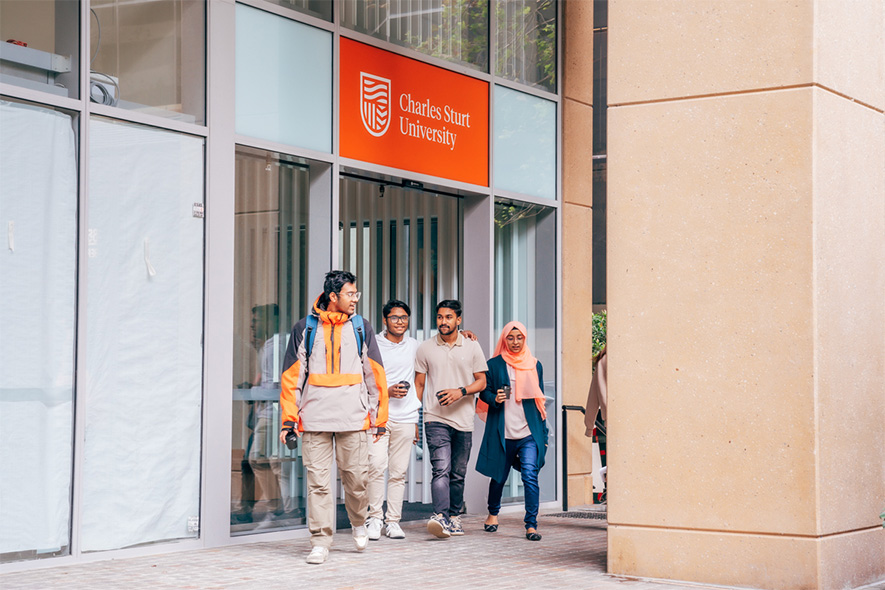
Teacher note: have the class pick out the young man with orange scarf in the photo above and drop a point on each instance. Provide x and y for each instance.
(334, 394)
(516, 424)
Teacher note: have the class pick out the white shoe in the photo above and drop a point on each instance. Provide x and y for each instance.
(360, 537)
(317, 555)
(394, 531)
(374, 526)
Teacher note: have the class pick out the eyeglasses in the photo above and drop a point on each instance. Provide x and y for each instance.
(355, 295)
(398, 319)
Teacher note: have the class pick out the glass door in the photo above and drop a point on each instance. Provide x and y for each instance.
(404, 244)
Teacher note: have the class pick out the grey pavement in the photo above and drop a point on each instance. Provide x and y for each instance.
(572, 554)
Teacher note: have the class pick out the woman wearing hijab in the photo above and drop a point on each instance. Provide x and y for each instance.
(516, 424)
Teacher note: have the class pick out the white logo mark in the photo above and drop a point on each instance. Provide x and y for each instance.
(375, 103)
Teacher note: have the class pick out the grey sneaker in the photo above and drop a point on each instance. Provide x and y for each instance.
(455, 528)
(317, 555)
(360, 537)
(394, 531)
(438, 526)
(374, 526)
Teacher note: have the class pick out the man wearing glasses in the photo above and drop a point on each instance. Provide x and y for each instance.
(332, 373)
(393, 450)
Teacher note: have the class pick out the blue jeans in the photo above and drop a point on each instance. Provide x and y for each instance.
(527, 451)
(449, 452)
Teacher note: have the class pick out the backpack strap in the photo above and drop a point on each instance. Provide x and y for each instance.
(309, 335)
(358, 331)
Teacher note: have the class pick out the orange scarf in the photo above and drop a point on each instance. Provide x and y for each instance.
(525, 385)
(334, 320)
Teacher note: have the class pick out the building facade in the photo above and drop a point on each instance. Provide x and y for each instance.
(178, 175)
(177, 178)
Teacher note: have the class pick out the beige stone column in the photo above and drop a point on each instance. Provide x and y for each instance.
(746, 291)
(577, 235)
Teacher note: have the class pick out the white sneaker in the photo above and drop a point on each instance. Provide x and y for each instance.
(317, 555)
(374, 526)
(394, 531)
(360, 537)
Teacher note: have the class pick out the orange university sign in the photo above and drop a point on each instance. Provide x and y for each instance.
(402, 113)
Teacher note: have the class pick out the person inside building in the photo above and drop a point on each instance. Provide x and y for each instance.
(334, 393)
(515, 436)
(451, 368)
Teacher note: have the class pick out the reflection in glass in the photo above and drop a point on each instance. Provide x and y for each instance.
(38, 222)
(525, 42)
(40, 45)
(453, 30)
(525, 143)
(144, 329)
(149, 56)
(525, 290)
(318, 8)
(284, 80)
(268, 488)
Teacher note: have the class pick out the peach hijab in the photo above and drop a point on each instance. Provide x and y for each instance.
(526, 385)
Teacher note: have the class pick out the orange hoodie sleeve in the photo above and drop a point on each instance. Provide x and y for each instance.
(293, 378)
(375, 378)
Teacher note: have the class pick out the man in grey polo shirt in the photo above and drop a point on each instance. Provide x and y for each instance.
(452, 370)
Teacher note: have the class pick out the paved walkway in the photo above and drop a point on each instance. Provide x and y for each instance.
(571, 555)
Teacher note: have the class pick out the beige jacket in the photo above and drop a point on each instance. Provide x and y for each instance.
(596, 398)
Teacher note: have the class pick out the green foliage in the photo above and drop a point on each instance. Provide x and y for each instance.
(882, 516)
(599, 326)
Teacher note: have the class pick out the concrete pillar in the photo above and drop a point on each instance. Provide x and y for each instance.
(577, 226)
(746, 291)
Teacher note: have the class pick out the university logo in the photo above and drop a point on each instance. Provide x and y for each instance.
(375, 103)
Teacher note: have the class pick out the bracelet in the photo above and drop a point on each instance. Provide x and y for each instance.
(463, 391)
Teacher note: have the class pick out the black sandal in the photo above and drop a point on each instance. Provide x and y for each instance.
(490, 528)
(533, 536)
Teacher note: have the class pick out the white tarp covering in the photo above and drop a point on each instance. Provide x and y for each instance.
(141, 462)
(38, 257)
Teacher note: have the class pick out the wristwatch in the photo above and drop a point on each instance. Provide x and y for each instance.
(463, 391)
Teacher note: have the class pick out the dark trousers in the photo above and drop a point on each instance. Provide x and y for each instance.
(527, 451)
(449, 452)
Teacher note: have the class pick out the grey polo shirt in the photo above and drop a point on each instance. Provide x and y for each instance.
(450, 367)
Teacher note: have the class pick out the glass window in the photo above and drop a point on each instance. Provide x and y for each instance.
(453, 30)
(525, 291)
(40, 45)
(525, 42)
(38, 262)
(525, 143)
(149, 56)
(140, 476)
(273, 258)
(284, 80)
(318, 8)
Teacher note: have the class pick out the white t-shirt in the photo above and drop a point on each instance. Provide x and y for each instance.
(399, 365)
(515, 425)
